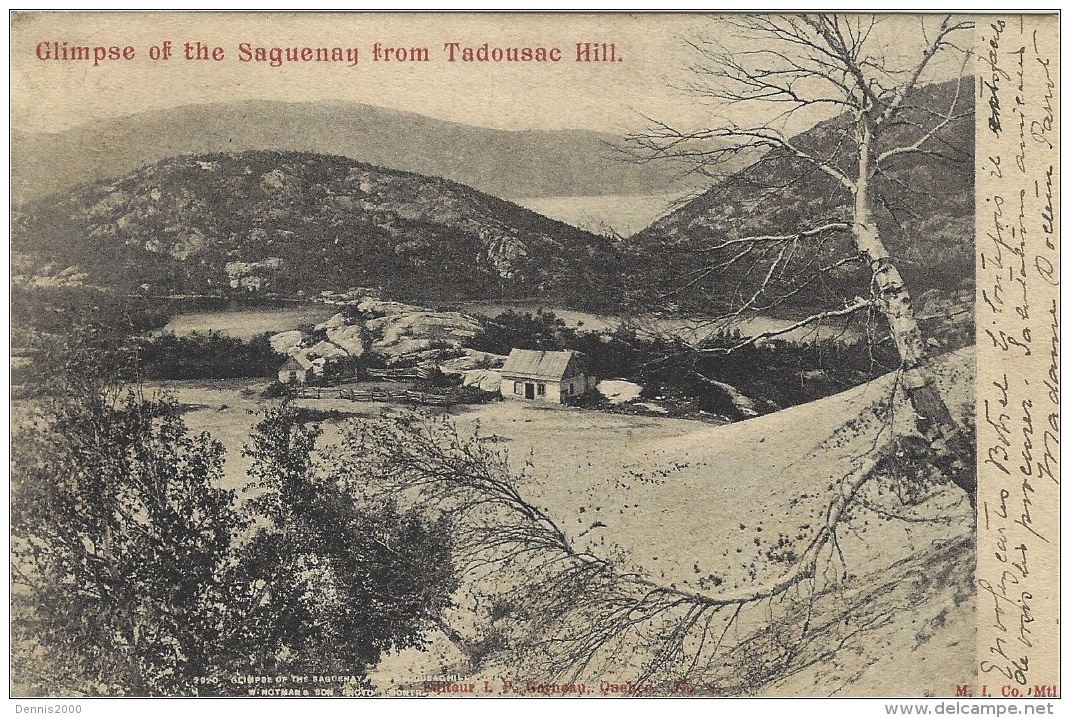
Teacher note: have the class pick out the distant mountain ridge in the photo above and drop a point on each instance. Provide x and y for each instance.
(292, 224)
(508, 164)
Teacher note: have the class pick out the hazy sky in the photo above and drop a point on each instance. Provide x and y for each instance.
(51, 95)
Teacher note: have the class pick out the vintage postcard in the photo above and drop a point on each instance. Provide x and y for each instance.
(481, 355)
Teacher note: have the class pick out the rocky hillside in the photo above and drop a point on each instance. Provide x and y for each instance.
(925, 216)
(298, 224)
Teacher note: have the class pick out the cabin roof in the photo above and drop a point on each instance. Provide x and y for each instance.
(296, 361)
(534, 364)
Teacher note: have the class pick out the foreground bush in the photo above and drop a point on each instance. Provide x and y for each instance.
(135, 574)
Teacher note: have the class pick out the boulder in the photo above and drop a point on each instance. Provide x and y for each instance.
(382, 308)
(327, 350)
(618, 391)
(406, 333)
(349, 338)
(283, 342)
(472, 359)
(404, 348)
(338, 320)
(485, 379)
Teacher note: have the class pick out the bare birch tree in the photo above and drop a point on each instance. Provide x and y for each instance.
(794, 66)
(552, 607)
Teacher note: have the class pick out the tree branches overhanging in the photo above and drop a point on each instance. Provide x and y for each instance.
(556, 609)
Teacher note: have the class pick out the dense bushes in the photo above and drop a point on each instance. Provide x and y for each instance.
(63, 309)
(512, 330)
(208, 356)
(134, 573)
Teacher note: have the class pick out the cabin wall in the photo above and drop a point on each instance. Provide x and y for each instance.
(553, 393)
(298, 378)
(509, 388)
(579, 383)
(556, 392)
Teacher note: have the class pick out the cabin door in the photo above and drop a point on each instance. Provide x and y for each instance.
(529, 390)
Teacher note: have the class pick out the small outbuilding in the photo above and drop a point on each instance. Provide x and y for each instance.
(295, 370)
(553, 377)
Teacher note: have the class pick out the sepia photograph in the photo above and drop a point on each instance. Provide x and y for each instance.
(533, 355)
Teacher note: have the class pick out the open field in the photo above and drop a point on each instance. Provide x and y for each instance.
(673, 491)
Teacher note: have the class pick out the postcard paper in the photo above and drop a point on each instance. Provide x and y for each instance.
(535, 354)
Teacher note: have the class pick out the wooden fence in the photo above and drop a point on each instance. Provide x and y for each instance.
(417, 372)
(380, 395)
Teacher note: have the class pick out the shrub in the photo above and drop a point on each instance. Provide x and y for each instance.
(134, 574)
(208, 356)
(510, 330)
(278, 390)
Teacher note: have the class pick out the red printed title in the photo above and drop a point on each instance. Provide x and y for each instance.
(280, 55)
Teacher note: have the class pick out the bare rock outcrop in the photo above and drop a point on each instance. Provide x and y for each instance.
(284, 342)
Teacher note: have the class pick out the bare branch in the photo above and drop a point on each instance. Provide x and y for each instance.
(777, 238)
(857, 305)
(950, 116)
(940, 42)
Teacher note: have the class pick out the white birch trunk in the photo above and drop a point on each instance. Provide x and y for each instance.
(953, 454)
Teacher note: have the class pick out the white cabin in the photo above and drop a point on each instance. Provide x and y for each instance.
(543, 376)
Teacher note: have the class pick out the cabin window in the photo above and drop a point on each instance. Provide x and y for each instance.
(293, 376)
(542, 389)
(571, 389)
(518, 387)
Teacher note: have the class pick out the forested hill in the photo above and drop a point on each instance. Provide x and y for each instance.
(925, 215)
(295, 224)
